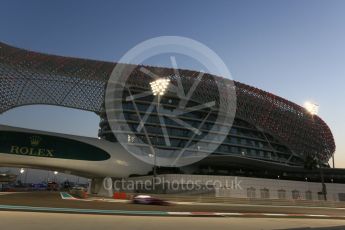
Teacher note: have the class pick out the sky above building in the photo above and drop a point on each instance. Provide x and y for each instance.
(295, 49)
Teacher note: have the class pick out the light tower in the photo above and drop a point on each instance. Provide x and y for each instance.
(159, 88)
(311, 107)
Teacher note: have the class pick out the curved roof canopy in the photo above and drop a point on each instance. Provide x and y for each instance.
(28, 77)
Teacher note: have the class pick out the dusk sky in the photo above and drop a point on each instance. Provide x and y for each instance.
(295, 49)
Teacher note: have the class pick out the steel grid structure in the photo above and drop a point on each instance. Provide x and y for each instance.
(28, 77)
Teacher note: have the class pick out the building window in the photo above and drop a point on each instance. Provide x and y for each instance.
(295, 194)
(251, 192)
(308, 195)
(281, 194)
(269, 155)
(243, 141)
(261, 153)
(265, 193)
(234, 149)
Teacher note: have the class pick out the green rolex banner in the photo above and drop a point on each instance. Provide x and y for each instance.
(38, 145)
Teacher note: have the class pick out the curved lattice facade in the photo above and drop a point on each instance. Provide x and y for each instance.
(266, 126)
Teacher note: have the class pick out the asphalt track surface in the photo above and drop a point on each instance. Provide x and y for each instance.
(59, 221)
(53, 199)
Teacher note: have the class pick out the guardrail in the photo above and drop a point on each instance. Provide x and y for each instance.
(251, 201)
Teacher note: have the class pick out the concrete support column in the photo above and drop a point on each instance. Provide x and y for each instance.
(101, 187)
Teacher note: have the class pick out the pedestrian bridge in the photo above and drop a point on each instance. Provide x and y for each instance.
(70, 154)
